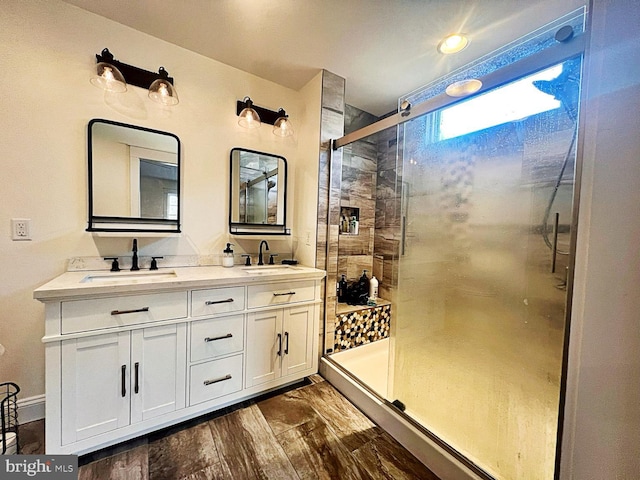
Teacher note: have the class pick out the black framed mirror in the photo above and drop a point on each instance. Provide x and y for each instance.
(258, 193)
(134, 178)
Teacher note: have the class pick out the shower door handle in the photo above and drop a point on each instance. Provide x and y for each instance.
(403, 233)
(554, 245)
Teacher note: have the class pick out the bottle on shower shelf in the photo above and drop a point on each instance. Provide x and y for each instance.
(373, 289)
(342, 289)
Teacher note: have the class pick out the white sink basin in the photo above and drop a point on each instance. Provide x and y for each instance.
(128, 277)
(268, 269)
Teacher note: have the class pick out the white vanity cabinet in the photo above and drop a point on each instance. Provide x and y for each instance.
(127, 357)
(280, 335)
(279, 343)
(112, 380)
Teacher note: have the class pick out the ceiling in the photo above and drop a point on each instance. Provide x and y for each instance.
(383, 48)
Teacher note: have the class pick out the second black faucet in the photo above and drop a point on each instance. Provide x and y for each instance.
(260, 260)
(134, 258)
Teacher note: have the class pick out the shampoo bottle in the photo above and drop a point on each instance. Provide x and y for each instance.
(227, 256)
(342, 289)
(373, 289)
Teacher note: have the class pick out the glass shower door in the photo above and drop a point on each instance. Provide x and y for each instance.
(477, 341)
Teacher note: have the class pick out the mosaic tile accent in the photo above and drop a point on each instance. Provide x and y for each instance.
(363, 326)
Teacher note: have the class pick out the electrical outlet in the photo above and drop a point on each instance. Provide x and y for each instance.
(21, 229)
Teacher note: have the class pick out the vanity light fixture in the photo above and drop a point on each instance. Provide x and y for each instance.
(251, 115)
(248, 117)
(113, 76)
(453, 43)
(282, 126)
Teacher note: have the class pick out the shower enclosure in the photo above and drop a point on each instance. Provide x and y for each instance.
(484, 222)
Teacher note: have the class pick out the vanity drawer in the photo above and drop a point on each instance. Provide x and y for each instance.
(280, 293)
(215, 379)
(85, 315)
(214, 337)
(217, 300)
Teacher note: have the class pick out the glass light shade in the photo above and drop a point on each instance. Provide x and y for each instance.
(463, 88)
(249, 118)
(453, 43)
(109, 78)
(282, 127)
(161, 91)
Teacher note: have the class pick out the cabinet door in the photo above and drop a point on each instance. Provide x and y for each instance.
(298, 340)
(158, 371)
(95, 385)
(264, 347)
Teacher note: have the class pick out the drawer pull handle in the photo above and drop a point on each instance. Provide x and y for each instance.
(283, 294)
(221, 379)
(123, 388)
(286, 344)
(222, 337)
(136, 386)
(122, 312)
(279, 345)
(215, 302)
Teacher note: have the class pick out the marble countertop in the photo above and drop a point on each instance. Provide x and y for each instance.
(79, 284)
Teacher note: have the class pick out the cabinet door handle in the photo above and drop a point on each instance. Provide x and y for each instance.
(212, 339)
(283, 294)
(286, 343)
(215, 302)
(136, 387)
(216, 380)
(123, 371)
(279, 345)
(122, 312)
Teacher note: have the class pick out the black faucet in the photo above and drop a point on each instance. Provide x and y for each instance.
(263, 242)
(134, 259)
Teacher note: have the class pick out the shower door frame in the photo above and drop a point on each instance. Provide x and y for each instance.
(545, 58)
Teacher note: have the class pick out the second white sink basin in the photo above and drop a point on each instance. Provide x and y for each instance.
(129, 277)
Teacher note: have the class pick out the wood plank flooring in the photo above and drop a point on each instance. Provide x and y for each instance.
(310, 432)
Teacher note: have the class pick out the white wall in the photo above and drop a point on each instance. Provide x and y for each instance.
(47, 54)
(602, 434)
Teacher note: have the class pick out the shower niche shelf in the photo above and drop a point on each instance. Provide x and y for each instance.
(349, 221)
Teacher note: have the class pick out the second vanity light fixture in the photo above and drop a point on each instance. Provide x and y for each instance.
(251, 116)
(111, 74)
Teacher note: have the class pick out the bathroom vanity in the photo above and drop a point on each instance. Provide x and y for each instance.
(128, 353)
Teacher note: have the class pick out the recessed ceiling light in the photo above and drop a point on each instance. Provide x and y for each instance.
(453, 43)
(463, 88)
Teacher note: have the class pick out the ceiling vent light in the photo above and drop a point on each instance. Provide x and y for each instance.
(453, 43)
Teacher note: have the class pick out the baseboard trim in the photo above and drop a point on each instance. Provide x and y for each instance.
(31, 409)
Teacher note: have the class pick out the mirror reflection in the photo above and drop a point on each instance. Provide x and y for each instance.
(134, 178)
(258, 192)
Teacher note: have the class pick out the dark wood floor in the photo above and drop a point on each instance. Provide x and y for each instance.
(310, 432)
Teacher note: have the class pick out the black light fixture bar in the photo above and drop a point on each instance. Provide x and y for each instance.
(266, 115)
(134, 75)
